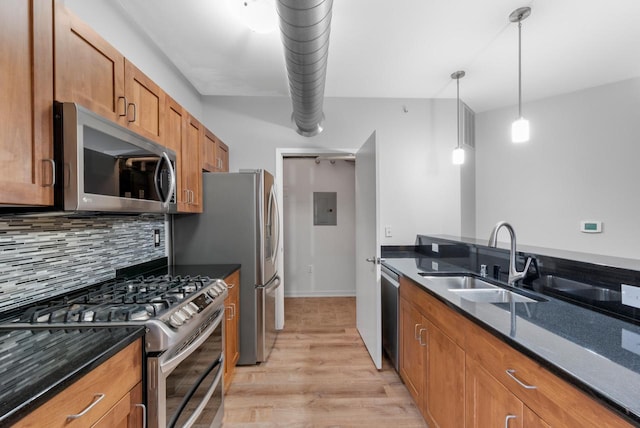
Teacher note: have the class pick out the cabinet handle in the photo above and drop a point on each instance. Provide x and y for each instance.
(233, 307)
(191, 197)
(415, 331)
(144, 414)
(96, 399)
(230, 285)
(230, 317)
(135, 112)
(507, 419)
(53, 172)
(420, 337)
(124, 106)
(512, 375)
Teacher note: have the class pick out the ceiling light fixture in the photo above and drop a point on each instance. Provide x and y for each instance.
(259, 15)
(520, 127)
(458, 153)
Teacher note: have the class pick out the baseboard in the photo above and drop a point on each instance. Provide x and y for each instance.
(324, 293)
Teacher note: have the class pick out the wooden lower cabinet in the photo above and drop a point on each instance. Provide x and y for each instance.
(489, 403)
(411, 349)
(231, 331)
(444, 378)
(432, 367)
(113, 391)
(460, 375)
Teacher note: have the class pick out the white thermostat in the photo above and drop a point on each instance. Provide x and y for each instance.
(590, 226)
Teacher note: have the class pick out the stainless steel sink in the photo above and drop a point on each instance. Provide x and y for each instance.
(494, 295)
(459, 282)
(578, 290)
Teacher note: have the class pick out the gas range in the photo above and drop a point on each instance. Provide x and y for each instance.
(170, 307)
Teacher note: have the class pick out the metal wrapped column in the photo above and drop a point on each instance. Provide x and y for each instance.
(305, 26)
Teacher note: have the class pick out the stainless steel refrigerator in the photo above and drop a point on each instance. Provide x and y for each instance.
(239, 224)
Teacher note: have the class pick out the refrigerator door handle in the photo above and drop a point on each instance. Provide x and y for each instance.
(274, 200)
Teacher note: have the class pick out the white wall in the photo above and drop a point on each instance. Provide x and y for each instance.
(419, 187)
(581, 164)
(107, 18)
(330, 250)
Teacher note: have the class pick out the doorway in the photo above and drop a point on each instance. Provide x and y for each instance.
(319, 226)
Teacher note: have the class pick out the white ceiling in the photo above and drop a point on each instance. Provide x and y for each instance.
(409, 48)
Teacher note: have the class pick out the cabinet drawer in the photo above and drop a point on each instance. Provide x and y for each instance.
(451, 323)
(556, 401)
(114, 378)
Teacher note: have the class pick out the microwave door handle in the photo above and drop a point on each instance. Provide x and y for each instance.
(158, 179)
(172, 181)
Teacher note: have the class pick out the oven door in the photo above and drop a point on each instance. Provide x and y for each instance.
(189, 380)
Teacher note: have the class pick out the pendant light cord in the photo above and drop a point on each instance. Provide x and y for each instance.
(519, 69)
(458, 107)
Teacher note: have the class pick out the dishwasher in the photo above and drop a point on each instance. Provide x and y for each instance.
(390, 304)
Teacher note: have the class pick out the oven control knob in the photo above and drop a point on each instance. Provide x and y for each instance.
(175, 321)
(188, 310)
(185, 314)
(195, 307)
(213, 293)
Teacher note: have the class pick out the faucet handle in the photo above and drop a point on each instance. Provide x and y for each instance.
(526, 265)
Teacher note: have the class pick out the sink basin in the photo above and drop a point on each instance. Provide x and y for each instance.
(491, 295)
(459, 282)
(578, 290)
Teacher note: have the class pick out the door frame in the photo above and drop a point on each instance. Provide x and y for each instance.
(281, 154)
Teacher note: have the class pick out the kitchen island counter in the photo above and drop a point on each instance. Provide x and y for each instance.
(597, 353)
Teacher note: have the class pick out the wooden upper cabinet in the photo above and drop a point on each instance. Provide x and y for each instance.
(175, 137)
(215, 153)
(145, 103)
(88, 70)
(26, 85)
(222, 156)
(94, 74)
(191, 164)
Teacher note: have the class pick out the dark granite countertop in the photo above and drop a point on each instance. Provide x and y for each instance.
(595, 352)
(37, 364)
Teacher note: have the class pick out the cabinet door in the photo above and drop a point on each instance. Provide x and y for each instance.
(146, 104)
(445, 380)
(531, 420)
(232, 318)
(88, 70)
(175, 139)
(222, 156)
(209, 151)
(488, 403)
(26, 85)
(412, 349)
(192, 165)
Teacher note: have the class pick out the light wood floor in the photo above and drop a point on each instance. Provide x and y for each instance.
(319, 375)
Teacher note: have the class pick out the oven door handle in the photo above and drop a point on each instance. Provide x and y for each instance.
(205, 400)
(168, 366)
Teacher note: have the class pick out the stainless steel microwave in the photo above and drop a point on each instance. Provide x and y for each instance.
(104, 167)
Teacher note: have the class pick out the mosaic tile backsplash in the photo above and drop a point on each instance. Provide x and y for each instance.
(45, 256)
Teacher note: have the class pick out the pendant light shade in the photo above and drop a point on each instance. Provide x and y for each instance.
(520, 127)
(458, 153)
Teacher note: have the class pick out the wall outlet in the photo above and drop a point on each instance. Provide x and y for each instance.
(434, 265)
(387, 231)
(310, 269)
(156, 237)
(630, 295)
(435, 248)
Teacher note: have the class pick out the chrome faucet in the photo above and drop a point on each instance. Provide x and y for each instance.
(514, 275)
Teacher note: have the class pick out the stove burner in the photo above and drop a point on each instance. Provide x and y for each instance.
(118, 300)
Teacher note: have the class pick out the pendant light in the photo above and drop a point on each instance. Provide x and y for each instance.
(520, 127)
(458, 153)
